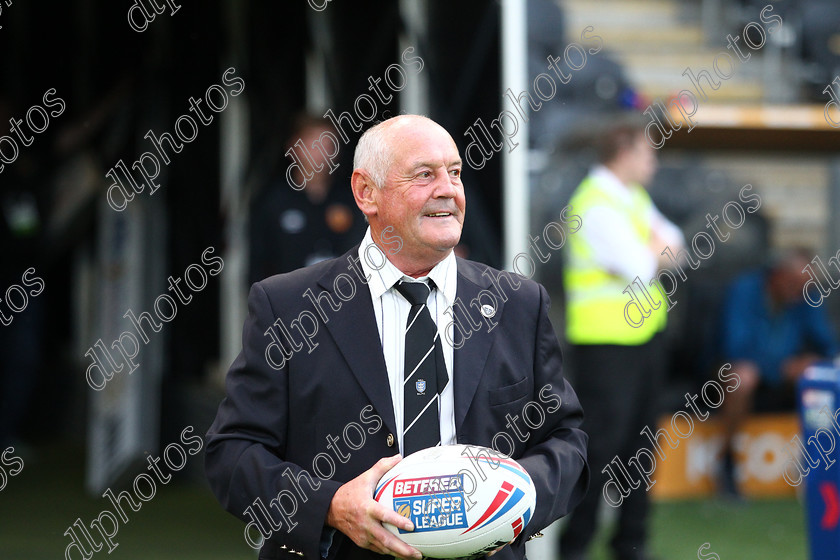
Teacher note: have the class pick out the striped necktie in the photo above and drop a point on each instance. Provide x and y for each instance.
(425, 371)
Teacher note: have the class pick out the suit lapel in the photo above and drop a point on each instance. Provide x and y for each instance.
(354, 330)
(471, 357)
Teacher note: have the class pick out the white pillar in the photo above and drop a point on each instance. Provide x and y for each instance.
(233, 159)
(414, 98)
(515, 189)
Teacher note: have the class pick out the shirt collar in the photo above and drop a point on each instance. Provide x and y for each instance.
(443, 274)
(612, 184)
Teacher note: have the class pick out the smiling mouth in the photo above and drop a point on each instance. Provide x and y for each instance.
(438, 215)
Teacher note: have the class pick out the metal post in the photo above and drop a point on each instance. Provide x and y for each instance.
(415, 96)
(515, 194)
(233, 158)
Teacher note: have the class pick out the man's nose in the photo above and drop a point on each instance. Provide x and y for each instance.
(445, 186)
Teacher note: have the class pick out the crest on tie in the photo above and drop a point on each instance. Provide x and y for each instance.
(420, 385)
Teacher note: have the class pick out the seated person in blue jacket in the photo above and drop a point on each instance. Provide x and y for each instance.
(770, 335)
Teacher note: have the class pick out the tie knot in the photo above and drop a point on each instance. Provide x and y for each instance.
(415, 292)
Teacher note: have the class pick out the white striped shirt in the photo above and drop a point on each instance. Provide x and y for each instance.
(391, 310)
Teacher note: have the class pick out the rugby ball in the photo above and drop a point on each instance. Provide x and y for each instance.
(464, 500)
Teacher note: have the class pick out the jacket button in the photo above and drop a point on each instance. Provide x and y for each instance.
(390, 440)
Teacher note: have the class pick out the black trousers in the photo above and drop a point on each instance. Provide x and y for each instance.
(618, 387)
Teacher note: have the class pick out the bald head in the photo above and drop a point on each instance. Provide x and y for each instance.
(787, 279)
(407, 182)
(374, 151)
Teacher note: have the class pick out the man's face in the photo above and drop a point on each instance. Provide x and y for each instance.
(642, 159)
(787, 282)
(309, 136)
(422, 198)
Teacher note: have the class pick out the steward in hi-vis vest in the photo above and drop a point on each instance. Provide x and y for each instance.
(597, 299)
(613, 317)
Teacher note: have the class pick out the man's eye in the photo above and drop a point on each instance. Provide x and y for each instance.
(424, 174)
(455, 172)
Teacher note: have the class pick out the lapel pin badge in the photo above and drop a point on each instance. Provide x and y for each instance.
(488, 310)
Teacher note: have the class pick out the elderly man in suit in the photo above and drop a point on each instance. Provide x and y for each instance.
(394, 347)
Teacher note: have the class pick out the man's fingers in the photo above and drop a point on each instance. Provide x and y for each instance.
(359, 516)
(381, 514)
(387, 516)
(383, 537)
(384, 465)
(396, 547)
(375, 473)
(384, 542)
(498, 549)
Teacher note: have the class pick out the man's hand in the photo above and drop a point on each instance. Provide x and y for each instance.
(657, 245)
(793, 368)
(355, 513)
(498, 549)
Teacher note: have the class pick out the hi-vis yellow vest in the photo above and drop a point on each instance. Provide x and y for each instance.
(595, 299)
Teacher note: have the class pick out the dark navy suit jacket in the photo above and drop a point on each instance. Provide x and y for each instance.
(327, 405)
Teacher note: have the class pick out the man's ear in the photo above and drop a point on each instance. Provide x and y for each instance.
(364, 192)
